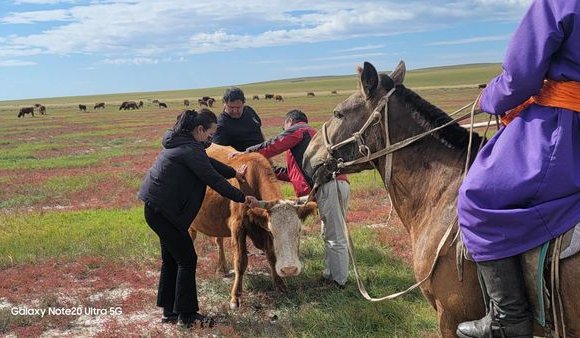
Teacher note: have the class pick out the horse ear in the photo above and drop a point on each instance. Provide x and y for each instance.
(369, 79)
(398, 75)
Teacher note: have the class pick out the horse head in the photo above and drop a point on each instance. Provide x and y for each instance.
(354, 116)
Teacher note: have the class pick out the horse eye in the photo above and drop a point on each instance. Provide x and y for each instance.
(338, 114)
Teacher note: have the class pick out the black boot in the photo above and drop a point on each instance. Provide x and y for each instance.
(169, 316)
(188, 320)
(510, 314)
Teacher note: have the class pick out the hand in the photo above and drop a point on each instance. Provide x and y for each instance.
(241, 172)
(251, 202)
(234, 154)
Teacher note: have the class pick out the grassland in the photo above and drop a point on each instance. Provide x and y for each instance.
(69, 182)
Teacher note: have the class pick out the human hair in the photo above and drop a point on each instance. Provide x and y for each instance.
(296, 115)
(234, 94)
(189, 119)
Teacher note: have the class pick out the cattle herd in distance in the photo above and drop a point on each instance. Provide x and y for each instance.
(135, 105)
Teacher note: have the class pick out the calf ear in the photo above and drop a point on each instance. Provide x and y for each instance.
(306, 210)
(258, 216)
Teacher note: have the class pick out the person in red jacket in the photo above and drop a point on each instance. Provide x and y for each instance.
(332, 197)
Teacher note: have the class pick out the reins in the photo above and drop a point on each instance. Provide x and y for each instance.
(387, 151)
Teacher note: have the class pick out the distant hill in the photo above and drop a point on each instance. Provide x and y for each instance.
(445, 76)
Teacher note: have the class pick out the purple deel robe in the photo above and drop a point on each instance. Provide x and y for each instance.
(524, 186)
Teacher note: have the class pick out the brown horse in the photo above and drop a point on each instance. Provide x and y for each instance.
(423, 180)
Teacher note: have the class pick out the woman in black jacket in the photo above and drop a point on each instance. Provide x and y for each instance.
(173, 191)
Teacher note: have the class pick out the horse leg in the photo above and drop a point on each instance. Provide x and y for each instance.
(240, 265)
(222, 264)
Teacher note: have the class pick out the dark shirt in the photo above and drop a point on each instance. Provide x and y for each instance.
(239, 133)
(176, 183)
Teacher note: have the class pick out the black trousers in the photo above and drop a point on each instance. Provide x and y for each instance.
(177, 289)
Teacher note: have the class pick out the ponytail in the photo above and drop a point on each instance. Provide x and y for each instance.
(189, 119)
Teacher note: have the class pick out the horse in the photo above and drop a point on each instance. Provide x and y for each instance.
(310, 94)
(82, 107)
(422, 179)
(162, 105)
(186, 103)
(99, 105)
(279, 98)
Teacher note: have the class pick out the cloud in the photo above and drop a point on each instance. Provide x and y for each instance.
(138, 61)
(120, 29)
(478, 39)
(36, 16)
(359, 48)
(16, 63)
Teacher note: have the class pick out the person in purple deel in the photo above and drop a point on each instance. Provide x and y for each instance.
(523, 188)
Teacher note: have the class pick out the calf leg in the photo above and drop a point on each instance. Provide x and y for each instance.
(278, 282)
(240, 265)
(222, 264)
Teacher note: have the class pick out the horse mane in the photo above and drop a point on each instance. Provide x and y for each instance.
(428, 116)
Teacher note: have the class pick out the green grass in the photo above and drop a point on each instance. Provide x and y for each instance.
(112, 234)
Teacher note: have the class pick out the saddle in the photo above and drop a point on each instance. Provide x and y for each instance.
(540, 268)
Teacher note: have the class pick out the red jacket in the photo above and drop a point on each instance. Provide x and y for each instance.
(294, 139)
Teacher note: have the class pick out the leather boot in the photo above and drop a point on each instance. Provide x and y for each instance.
(510, 314)
(169, 316)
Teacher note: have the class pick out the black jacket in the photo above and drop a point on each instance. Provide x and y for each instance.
(176, 183)
(239, 133)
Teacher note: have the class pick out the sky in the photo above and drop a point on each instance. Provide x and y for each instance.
(54, 48)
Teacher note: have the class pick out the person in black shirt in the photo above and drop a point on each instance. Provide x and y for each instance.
(173, 191)
(239, 125)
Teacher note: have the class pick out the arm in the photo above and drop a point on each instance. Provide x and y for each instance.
(223, 169)
(278, 144)
(198, 162)
(527, 59)
(281, 173)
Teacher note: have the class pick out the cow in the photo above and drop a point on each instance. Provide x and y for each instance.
(274, 229)
(268, 96)
(99, 105)
(162, 105)
(279, 98)
(82, 107)
(186, 103)
(26, 110)
(256, 97)
(42, 110)
(129, 105)
(310, 94)
(202, 102)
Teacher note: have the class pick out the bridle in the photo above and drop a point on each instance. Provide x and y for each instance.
(381, 110)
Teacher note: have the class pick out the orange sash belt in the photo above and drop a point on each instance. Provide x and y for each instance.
(557, 94)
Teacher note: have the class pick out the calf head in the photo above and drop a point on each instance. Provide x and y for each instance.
(282, 219)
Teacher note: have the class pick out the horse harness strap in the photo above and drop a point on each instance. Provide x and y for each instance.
(389, 148)
(359, 282)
